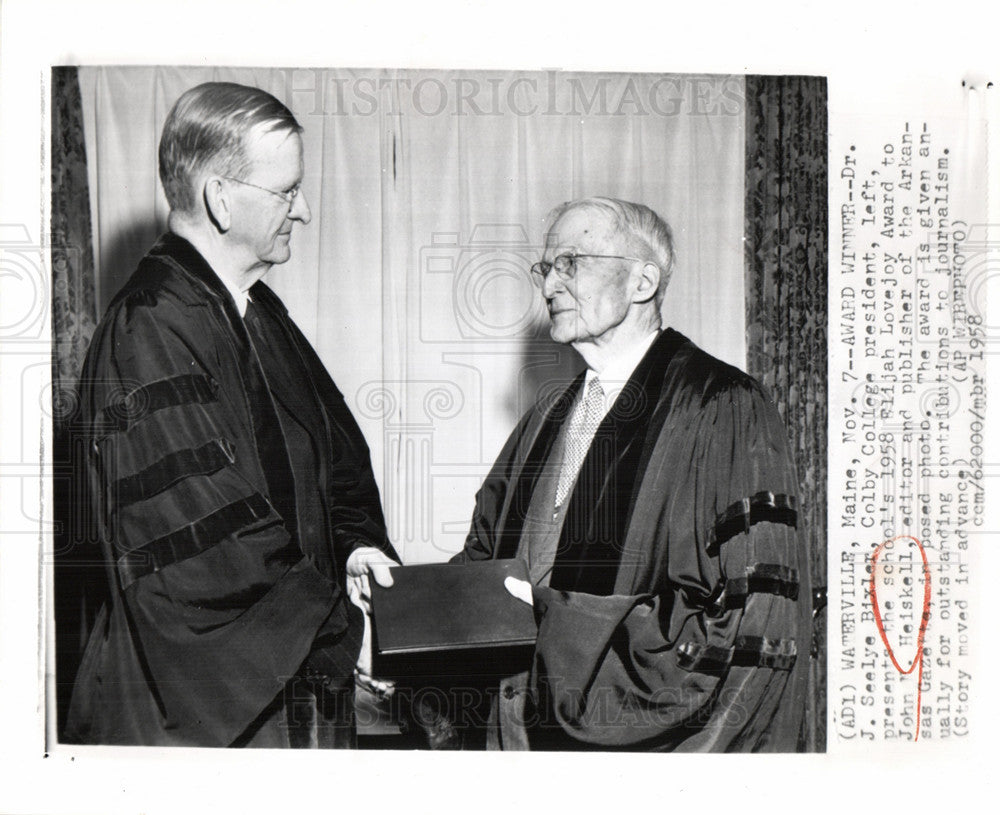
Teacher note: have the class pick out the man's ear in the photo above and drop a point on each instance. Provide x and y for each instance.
(218, 204)
(649, 282)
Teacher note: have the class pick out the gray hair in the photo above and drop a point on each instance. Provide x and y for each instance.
(207, 128)
(638, 222)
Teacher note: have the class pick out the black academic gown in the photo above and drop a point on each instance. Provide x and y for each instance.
(219, 584)
(677, 614)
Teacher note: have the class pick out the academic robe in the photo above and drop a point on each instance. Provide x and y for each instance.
(220, 585)
(677, 613)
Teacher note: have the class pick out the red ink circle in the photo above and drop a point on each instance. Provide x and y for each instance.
(918, 658)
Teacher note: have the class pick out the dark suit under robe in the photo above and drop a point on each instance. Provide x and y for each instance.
(677, 611)
(232, 483)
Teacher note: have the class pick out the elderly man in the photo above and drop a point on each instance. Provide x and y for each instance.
(653, 503)
(237, 502)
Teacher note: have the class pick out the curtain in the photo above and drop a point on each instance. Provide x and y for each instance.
(73, 309)
(77, 566)
(429, 191)
(786, 303)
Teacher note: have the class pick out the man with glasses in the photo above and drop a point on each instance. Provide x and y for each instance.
(653, 503)
(238, 512)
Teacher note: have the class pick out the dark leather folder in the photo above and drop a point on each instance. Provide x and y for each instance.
(451, 620)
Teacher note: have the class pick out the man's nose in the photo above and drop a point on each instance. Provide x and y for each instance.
(300, 209)
(552, 284)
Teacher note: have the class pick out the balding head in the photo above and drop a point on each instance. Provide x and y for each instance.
(644, 233)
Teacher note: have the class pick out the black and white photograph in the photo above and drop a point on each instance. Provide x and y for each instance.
(317, 330)
(599, 396)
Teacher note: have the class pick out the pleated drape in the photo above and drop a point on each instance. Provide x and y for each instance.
(786, 304)
(73, 308)
(77, 565)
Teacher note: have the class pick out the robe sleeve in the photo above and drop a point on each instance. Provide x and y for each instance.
(702, 661)
(221, 606)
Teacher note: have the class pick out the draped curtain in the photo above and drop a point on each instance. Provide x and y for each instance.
(77, 567)
(429, 191)
(786, 303)
(73, 308)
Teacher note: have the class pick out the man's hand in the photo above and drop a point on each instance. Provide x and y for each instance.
(363, 669)
(364, 562)
(521, 589)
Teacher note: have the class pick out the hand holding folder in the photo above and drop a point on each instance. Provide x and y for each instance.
(453, 620)
(365, 566)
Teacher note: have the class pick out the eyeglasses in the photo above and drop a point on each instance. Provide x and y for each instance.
(288, 196)
(565, 266)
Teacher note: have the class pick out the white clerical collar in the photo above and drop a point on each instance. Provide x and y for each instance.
(240, 297)
(618, 370)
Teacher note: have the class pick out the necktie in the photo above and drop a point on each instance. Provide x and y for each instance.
(586, 419)
(251, 319)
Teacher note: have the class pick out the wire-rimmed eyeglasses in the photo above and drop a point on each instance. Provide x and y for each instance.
(288, 196)
(565, 266)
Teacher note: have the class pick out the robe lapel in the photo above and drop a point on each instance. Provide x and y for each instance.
(291, 386)
(539, 440)
(307, 405)
(597, 518)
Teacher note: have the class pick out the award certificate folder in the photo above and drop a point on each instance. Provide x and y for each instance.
(456, 620)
